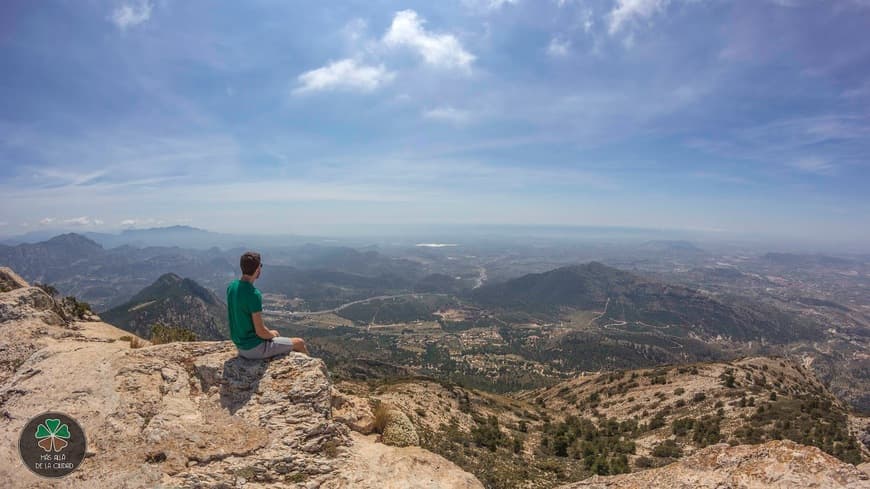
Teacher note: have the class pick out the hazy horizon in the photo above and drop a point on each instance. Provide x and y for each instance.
(454, 236)
(727, 120)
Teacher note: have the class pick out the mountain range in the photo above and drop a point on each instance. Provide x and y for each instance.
(626, 299)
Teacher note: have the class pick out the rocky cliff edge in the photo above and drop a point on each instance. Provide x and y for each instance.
(185, 414)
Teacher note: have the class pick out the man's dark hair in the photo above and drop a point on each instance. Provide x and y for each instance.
(249, 262)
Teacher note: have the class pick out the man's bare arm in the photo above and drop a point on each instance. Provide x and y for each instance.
(260, 327)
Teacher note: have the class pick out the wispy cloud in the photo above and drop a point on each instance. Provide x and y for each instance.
(628, 11)
(720, 177)
(439, 50)
(859, 91)
(46, 221)
(65, 177)
(841, 138)
(817, 166)
(346, 74)
(131, 14)
(448, 114)
(558, 47)
(488, 5)
(82, 221)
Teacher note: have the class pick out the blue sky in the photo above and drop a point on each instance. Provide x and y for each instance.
(734, 117)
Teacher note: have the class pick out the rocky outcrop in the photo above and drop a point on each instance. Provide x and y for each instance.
(776, 464)
(9, 280)
(189, 414)
(28, 303)
(353, 411)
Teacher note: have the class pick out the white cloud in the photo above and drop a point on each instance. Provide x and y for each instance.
(441, 50)
(82, 221)
(448, 114)
(558, 47)
(131, 14)
(346, 74)
(4, 223)
(817, 166)
(627, 11)
(150, 221)
(46, 221)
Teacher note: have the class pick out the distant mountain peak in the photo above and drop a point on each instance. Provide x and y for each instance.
(174, 301)
(169, 278)
(73, 239)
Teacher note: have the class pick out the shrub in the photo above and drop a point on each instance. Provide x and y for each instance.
(681, 427)
(727, 378)
(643, 462)
(518, 444)
(382, 416)
(161, 334)
(657, 422)
(488, 434)
(667, 449)
(706, 431)
(48, 289)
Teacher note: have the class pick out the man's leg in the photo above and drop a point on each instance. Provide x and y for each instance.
(299, 345)
(288, 344)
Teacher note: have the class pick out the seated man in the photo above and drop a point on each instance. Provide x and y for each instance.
(245, 307)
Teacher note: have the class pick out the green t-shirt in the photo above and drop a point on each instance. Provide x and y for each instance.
(243, 299)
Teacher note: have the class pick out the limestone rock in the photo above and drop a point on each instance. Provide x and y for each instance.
(385, 467)
(9, 280)
(775, 464)
(28, 302)
(353, 411)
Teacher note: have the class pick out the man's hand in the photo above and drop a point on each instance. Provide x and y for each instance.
(261, 329)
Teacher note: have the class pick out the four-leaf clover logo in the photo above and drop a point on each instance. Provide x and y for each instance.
(52, 434)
